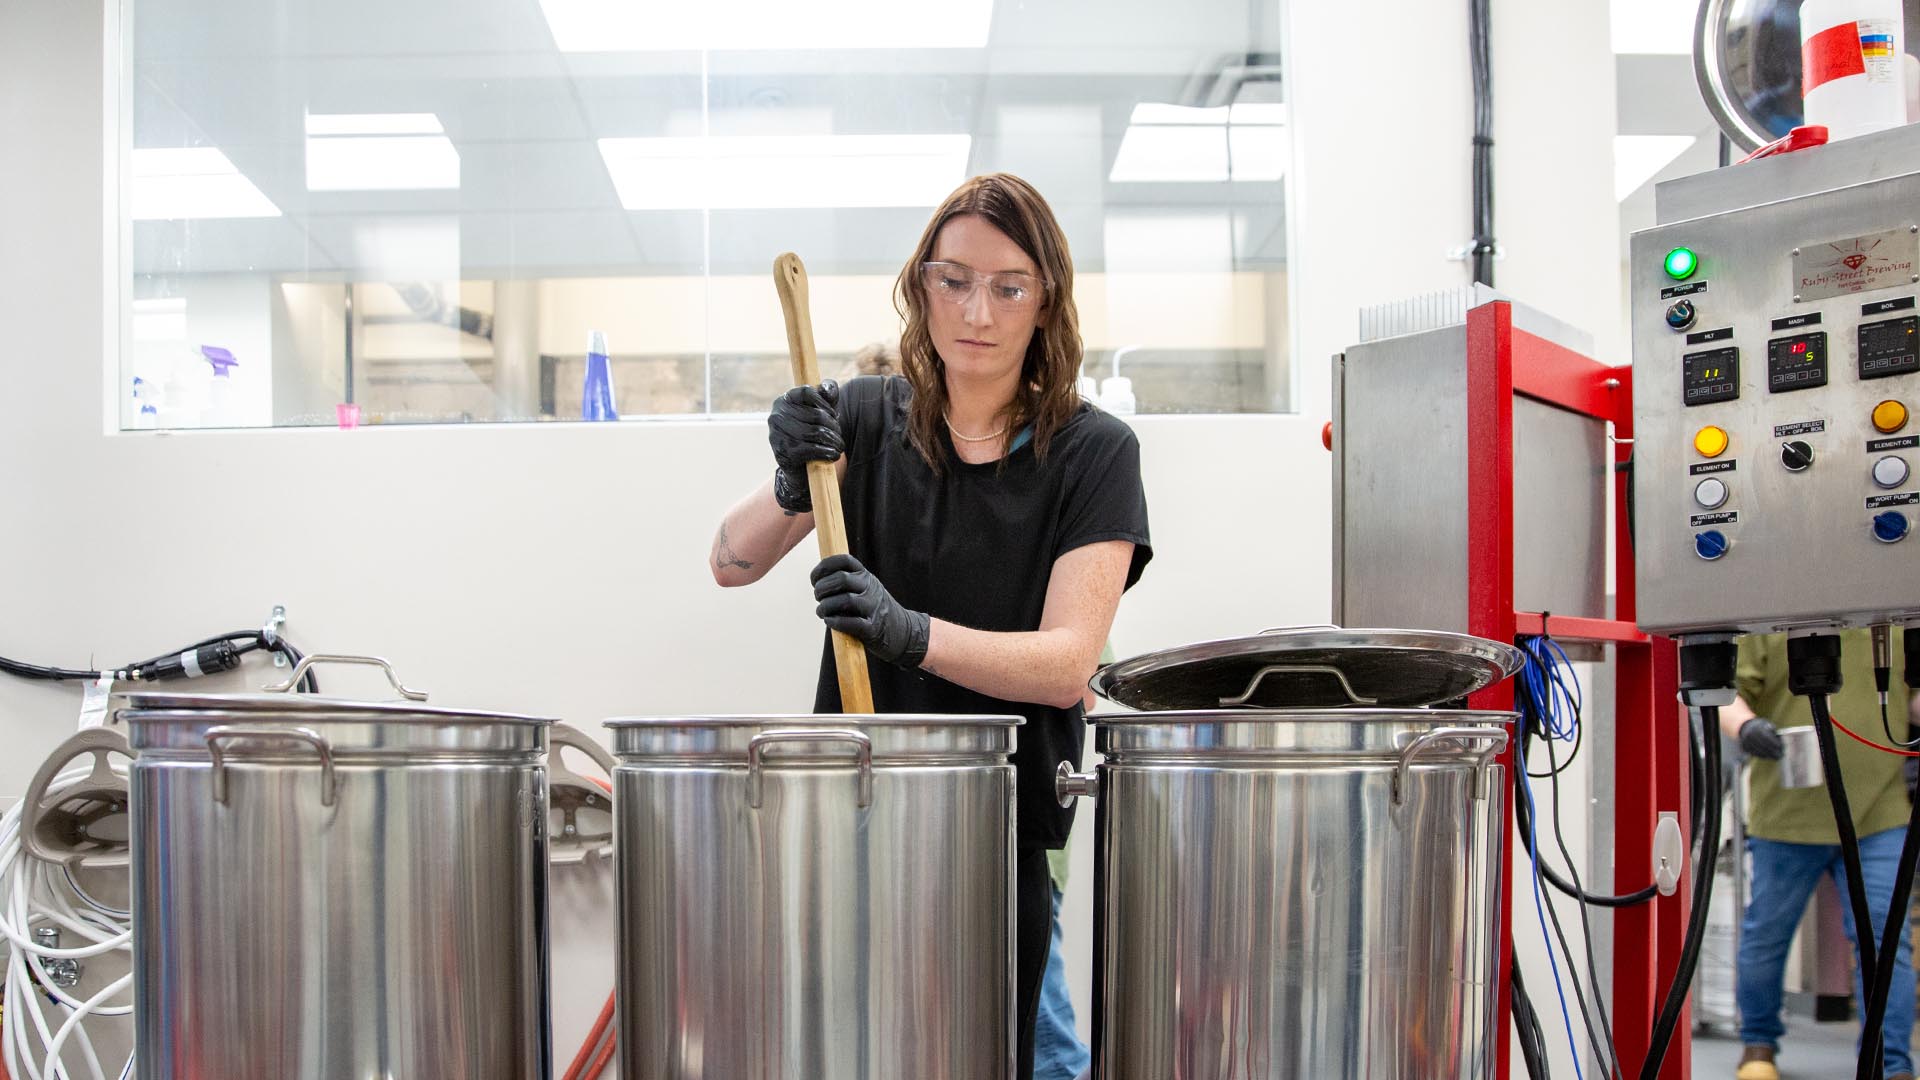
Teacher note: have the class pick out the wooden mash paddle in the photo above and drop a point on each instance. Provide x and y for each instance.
(849, 654)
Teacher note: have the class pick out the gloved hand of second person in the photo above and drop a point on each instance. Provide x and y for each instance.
(854, 602)
(1760, 739)
(803, 426)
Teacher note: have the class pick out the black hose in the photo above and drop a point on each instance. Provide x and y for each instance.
(1880, 989)
(1703, 875)
(1526, 1023)
(1850, 858)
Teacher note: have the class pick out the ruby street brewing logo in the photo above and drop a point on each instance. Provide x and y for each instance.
(1858, 265)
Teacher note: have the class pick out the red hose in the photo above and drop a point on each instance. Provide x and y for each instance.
(600, 1026)
(601, 1059)
(593, 1040)
(1870, 742)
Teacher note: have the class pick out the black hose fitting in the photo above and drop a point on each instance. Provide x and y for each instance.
(1813, 664)
(1912, 640)
(192, 663)
(1707, 665)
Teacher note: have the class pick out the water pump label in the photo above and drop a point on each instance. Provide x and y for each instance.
(1688, 289)
(1804, 427)
(1905, 498)
(1729, 518)
(1882, 260)
(1904, 442)
(1711, 467)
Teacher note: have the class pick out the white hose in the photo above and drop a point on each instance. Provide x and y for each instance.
(31, 896)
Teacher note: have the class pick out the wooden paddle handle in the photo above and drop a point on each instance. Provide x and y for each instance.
(849, 654)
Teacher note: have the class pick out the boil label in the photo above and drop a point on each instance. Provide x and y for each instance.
(1804, 427)
(1728, 518)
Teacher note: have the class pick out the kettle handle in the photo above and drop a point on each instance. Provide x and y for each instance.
(308, 662)
(218, 735)
(1496, 739)
(756, 752)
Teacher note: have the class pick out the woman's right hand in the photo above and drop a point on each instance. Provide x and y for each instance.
(803, 426)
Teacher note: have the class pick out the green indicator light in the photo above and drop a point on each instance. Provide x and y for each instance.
(1681, 263)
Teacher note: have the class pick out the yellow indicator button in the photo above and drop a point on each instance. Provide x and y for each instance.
(1710, 441)
(1889, 417)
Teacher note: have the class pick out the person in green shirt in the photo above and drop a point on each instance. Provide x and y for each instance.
(1793, 840)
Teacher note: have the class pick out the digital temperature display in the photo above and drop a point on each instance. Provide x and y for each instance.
(1889, 348)
(1797, 363)
(1708, 377)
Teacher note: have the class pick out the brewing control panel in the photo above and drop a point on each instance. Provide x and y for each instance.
(1780, 492)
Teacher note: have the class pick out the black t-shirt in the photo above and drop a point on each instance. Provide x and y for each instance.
(975, 546)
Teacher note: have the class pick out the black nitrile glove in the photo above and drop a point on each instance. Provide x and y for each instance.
(854, 602)
(1760, 739)
(803, 427)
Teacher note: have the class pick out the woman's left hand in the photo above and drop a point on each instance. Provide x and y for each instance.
(854, 602)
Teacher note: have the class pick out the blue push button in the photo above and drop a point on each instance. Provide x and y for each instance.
(1711, 544)
(1890, 526)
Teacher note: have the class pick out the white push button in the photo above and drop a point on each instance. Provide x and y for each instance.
(1890, 471)
(1711, 493)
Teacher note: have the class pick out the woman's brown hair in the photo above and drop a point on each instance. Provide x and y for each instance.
(1049, 390)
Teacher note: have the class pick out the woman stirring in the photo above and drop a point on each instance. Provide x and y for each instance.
(993, 517)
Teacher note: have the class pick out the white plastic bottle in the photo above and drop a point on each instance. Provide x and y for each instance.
(1853, 71)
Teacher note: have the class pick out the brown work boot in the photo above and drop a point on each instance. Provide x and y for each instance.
(1901, 1076)
(1756, 1063)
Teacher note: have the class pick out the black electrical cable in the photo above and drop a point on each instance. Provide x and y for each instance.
(1523, 822)
(1526, 1023)
(1599, 1036)
(221, 652)
(1480, 52)
(1870, 1039)
(1880, 987)
(1612, 1054)
(1669, 1016)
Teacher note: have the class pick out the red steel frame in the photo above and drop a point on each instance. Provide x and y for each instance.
(1650, 744)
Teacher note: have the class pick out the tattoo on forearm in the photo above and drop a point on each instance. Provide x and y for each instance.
(724, 556)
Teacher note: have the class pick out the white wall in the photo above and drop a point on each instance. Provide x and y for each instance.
(477, 558)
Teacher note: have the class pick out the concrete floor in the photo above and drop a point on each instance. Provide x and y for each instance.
(1809, 1052)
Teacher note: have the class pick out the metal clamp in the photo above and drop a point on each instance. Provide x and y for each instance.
(756, 750)
(1069, 784)
(300, 670)
(217, 735)
(1298, 669)
(52, 831)
(1496, 739)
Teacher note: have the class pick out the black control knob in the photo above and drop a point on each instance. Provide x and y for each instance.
(1681, 315)
(1796, 456)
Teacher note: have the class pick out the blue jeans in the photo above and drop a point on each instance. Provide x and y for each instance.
(1058, 1053)
(1784, 877)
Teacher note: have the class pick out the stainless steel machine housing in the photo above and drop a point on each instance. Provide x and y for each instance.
(1773, 240)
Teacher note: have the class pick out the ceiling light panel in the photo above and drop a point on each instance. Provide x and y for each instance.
(379, 152)
(653, 26)
(179, 183)
(755, 172)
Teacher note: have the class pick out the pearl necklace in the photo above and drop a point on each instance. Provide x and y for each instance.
(955, 432)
